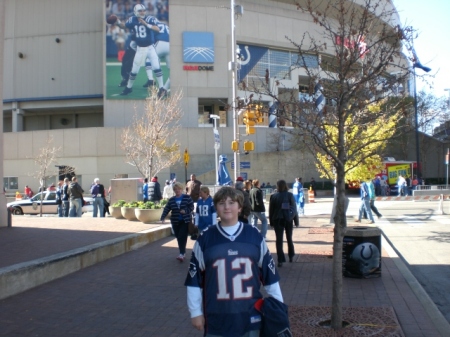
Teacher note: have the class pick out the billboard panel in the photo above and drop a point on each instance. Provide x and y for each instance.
(137, 49)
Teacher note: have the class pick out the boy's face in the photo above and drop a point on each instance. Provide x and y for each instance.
(228, 211)
(203, 195)
(178, 191)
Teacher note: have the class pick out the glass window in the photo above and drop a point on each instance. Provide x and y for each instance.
(10, 183)
(279, 63)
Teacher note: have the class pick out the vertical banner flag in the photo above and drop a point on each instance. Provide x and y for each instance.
(224, 175)
(272, 115)
(319, 98)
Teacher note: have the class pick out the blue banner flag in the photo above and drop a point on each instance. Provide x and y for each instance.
(417, 64)
(224, 175)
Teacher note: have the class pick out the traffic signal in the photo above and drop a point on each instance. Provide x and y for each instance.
(249, 121)
(235, 145)
(249, 146)
(259, 116)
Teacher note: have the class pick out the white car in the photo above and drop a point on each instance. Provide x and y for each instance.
(49, 206)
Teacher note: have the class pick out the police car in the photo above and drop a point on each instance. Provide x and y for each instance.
(49, 206)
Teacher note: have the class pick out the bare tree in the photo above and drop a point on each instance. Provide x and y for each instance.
(44, 160)
(150, 142)
(354, 63)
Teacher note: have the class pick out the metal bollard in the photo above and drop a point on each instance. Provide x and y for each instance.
(9, 216)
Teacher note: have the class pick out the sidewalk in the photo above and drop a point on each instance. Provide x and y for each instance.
(141, 293)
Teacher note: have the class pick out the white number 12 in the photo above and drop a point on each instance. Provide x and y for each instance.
(237, 283)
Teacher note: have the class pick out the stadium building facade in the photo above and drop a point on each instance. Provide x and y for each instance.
(61, 76)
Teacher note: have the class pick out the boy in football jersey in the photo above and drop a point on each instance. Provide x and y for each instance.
(205, 212)
(228, 264)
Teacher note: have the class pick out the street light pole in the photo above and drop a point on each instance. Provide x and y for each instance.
(233, 67)
(417, 126)
(216, 145)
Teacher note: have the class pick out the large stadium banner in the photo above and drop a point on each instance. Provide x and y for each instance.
(137, 48)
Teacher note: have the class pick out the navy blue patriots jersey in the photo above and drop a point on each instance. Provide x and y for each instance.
(230, 269)
(143, 35)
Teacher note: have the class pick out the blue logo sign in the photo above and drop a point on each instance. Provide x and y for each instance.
(198, 47)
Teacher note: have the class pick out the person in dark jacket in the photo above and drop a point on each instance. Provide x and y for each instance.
(247, 206)
(280, 202)
(181, 207)
(193, 188)
(258, 207)
(76, 198)
(65, 198)
(154, 190)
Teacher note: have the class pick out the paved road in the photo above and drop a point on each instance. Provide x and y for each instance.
(421, 236)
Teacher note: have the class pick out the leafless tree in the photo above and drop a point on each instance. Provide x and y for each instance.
(150, 142)
(357, 60)
(44, 163)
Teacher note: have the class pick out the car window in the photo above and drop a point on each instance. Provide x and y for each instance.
(51, 196)
(37, 197)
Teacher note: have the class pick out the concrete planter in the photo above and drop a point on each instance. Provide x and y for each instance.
(115, 212)
(128, 213)
(148, 215)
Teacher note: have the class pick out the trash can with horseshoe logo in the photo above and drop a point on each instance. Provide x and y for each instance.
(361, 253)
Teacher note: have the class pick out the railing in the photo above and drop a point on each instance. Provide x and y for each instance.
(431, 187)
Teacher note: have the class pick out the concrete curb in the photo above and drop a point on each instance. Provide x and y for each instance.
(439, 321)
(24, 276)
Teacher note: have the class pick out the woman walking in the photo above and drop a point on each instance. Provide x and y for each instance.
(282, 210)
(181, 207)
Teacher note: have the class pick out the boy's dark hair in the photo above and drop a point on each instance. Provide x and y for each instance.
(282, 186)
(146, 180)
(226, 192)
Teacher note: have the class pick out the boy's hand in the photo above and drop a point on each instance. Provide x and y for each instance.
(198, 322)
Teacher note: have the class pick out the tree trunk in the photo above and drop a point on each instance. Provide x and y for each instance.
(340, 222)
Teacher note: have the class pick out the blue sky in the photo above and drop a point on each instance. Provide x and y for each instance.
(431, 19)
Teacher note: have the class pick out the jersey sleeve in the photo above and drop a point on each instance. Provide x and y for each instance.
(267, 265)
(196, 267)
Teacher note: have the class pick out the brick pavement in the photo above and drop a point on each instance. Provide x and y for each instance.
(140, 293)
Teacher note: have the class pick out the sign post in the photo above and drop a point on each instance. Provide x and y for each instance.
(216, 144)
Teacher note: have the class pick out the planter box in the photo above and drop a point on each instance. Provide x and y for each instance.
(115, 212)
(128, 213)
(148, 215)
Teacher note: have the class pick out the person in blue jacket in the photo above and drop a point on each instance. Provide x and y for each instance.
(181, 207)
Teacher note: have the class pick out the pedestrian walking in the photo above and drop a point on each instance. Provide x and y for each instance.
(193, 188)
(299, 195)
(154, 190)
(372, 198)
(98, 194)
(365, 203)
(258, 208)
(181, 207)
(76, 198)
(282, 210)
(59, 196)
(205, 212)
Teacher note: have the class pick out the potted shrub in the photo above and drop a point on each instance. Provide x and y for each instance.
(127, 210)
(115, 209)
(148, 212)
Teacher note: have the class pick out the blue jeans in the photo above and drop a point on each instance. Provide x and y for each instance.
(98, 203)
(60, 209)
(365, 205)
(76, 208)
(261, 216)
(66, 205)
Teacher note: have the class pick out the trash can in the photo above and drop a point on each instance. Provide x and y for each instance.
(361, 252)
